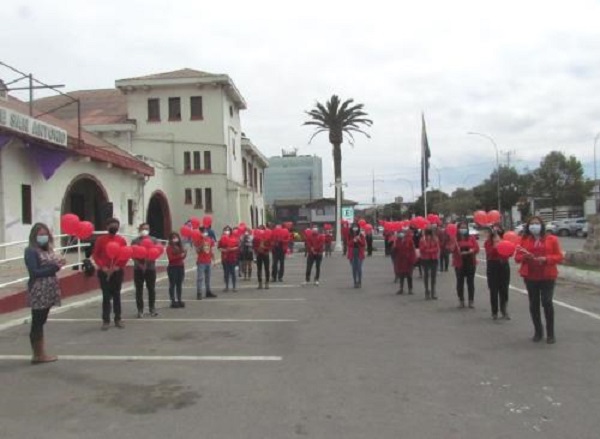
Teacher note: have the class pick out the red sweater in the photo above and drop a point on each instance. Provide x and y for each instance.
(99, 254)
(229, 249)
(491, 252)
(405, 255)
(261, 245)
(315, 244)
(360, 243)
(429, 248)
(461, 245)
(176, 256)
(548, 247)
(204, 248)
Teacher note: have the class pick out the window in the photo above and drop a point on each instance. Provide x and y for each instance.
(208, 199)
(130, 212)
(187, 162)
(196, 108)
(175, 109)
(26, 204)
(245, 171)
(255, 179)
(250, 174)
(153, 110)
(188, 196)
(261, 182)
(207, 161)
(198, 204)
(231, 111)
(196, 160)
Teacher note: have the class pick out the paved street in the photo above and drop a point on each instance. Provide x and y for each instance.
(321, 362)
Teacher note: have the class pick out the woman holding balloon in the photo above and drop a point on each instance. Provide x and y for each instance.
(539, 254)
(229, 245)
(356, 253)
(464, 259)
(176, 253)
(497, 253)
(429, 249)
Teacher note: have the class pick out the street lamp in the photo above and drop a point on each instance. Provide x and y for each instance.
(596, 188)
(497, 162)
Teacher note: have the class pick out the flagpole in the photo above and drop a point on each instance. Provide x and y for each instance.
(423, 166)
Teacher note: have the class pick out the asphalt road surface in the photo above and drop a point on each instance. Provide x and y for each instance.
(322, 362)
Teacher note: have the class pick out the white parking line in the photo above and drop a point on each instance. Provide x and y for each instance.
(556, 302)
(204, 302)
(147, 358)
(184, 320)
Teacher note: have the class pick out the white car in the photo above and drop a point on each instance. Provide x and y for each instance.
(583, 232)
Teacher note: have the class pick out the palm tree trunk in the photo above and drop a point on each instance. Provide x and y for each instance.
(337, 171)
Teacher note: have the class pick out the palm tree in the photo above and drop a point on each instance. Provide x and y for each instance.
(338, 118)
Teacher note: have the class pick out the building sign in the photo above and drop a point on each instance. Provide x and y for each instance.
(3, 91)
(348, 213)
(33, 127)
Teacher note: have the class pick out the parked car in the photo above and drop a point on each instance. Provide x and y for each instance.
(519, 229)
(570, 227)
(551, 227)
(583, 232)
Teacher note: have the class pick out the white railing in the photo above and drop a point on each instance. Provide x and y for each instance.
(71, 244)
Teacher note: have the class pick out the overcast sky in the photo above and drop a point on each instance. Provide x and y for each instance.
(525, 72)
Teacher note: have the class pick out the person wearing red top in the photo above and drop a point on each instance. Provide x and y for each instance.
(328, 243)
(356, 253)
(497, 273)
(345, 232)
(405, 257)
(315, 246)
(539, 254)
(176, 254)
(279, 245)
(464, 259)
(229, 247)
(205, 251)
(444, 239)
(429, 249)
(110, 273)
(262, 248)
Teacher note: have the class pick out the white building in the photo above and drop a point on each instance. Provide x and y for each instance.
(186, 125)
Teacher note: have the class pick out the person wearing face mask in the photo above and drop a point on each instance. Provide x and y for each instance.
(497, 273)
(444, 239)
(278, 248)
(356, 253)
(43, 290)
(328, 243)
(539, 254)
(429, 250)
(206, 258)
(144, 272)
(262, 249)
(416, 237)
(315, 246)
(176, 253)
(464, 259)
(246, 254)
(229, 247)
(405, 256)
(110, 274)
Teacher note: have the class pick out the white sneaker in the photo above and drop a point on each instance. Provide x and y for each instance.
(317, 283)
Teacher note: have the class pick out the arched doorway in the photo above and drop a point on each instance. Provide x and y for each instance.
(159, 215)
(87, 198)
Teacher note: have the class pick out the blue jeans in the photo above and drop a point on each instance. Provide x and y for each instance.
(203, 276)
(229, 272)
(356, 263)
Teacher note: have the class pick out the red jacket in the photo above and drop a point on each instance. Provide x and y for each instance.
(491, 252)
(176, 255)
(229, 249)
(99, 254)
(547, 246)
(261, 245)
(460, 245)
(328, 238)
(405, 255)
(315, 244)
(429, 247)
(360, 243)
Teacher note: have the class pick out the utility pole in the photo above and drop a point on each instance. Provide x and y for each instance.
(508, 155)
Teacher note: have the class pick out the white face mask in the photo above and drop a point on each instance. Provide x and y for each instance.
(175, 240)
(535, 229)
(315, 230)
(205, 234)
(226, 232)
(144, 232)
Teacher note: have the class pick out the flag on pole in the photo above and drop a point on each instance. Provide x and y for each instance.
(425, 155)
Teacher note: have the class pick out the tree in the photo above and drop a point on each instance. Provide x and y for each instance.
(559, 181)
(461, 203)
(338, 118)
(512, 187)
(435, 201)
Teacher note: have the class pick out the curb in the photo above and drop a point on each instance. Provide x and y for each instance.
(579, 275)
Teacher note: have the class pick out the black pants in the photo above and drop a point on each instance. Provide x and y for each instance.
(149, 278)
(369, 245)
(310, 260)
(262, 262)
(176, 274)
(388, 247)
(429, 275)
(498, 280)
(408, 278)
(468, 274)
(38, 320)
(444, 260)
(278, 264)
(541, 290)
(111, 291)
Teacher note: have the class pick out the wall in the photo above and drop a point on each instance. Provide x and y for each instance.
(288, 178)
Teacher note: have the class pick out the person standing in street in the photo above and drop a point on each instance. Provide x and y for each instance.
(315, 246)
(43, 289)
(444, 239)
(369, 241)
(429, 249)
(328, 243)
(229, 247)
(464, 260)
(498, 273)
(206, 258)
(144, 272)
(356, 253)
(246, 254)
(262, 249)
(405, 256)
(279, 245)
(176, 253)
(416, 236)
(110, 273)
(345, 232)
(539, 255)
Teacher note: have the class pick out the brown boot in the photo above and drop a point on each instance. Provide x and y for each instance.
(39, 353)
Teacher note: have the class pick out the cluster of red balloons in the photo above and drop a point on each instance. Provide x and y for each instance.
(123, 253)
(483, 218)
(70, 224)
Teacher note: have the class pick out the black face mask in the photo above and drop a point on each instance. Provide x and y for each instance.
(113, 230)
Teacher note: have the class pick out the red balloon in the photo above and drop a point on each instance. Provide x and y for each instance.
(207, 221)
(86, 229)
(481, 218)
(125, 254)
(195, 222)
(139, 252)
(493, 217)
(362, 223)
(513, 237)
(368, 228)
(147, 242)
(160, 248)
(433, 219)
(153, 253)
(112, 249)
(506, 248)
(452, 230)
(196, 235)
(69, 224)
(327, 226)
